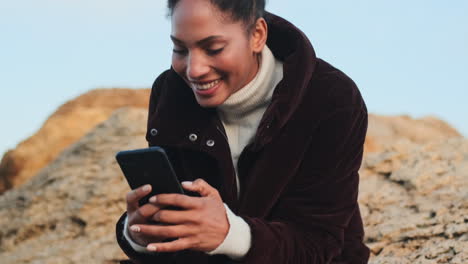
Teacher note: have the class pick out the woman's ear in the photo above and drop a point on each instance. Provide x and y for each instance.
(259, 35)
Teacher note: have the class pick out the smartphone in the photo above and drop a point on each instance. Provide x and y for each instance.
(149, 166)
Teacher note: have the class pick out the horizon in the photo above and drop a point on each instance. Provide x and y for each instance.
(406, 58)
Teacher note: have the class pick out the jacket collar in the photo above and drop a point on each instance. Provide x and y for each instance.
(292, 47)
(178, 114)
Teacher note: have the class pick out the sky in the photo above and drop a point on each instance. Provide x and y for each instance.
(407, 57)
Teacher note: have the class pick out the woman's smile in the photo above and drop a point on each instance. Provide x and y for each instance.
(206, 88)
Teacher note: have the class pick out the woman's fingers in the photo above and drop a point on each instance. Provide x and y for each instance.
(201, 225)
(202, 187)
(147, 211)
(177, 200)
(167, 231)
(135, 195)
(173, 246)
(175, 216)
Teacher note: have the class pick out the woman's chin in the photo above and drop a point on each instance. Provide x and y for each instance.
(210, 102)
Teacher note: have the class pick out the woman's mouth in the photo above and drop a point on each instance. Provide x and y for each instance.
(206, 88)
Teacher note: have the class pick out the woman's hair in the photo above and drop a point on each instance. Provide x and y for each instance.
(247, 11)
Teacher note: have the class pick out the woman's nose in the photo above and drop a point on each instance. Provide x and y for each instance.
(197, 67)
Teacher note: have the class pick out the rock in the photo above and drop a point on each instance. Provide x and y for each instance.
(67, 125)
(67, 212)
(384, 131)
(414, 202)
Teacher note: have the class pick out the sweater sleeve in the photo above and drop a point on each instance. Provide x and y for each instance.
(136, 256)
(134, 245)
(308, 223)
(238, 240)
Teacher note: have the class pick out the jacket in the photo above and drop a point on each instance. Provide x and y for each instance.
(298, 178)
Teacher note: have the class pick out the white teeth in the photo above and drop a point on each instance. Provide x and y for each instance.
(205, 86)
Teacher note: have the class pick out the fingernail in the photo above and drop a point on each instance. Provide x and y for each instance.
(187, 183)
(135, 228)
(152, 199)
(147, 187)
(151, 248)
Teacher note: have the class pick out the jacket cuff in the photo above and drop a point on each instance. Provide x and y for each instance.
(134, 245)
(238, 240)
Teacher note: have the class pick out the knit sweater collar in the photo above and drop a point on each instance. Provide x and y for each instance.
(257, 92)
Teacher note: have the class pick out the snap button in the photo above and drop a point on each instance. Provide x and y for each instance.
(193, 137)
(154, 132)
(210, 143)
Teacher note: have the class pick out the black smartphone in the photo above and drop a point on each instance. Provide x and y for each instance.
(149, 166)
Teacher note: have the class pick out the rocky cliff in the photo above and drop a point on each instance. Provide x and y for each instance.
(64, 127)
(414, 202)
(67, 212)
(413, 195)
(384, 131)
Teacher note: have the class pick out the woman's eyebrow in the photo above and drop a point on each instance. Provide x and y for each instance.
(200, 42)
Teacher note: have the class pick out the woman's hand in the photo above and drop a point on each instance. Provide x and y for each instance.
(201, 224)
(141, 215)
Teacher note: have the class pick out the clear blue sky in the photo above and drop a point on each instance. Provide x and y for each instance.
(407, 57)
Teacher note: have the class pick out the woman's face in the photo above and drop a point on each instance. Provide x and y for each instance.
(213, 54)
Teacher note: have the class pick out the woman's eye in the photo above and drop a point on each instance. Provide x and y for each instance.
(179, 51)
(214, 51)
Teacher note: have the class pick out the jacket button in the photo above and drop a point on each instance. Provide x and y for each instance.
(210, 143)
(154, 132)
(193, 137)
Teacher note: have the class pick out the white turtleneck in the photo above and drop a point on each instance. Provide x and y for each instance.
(241, 114)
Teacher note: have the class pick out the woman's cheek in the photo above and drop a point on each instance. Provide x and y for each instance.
(178, 65)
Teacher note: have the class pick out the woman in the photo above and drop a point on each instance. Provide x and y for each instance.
(269, 137)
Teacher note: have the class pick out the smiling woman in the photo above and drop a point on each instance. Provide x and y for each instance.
(269, 137)
(220, 57)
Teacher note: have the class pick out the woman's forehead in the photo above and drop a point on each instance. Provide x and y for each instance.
(198, 19)
(194, 7)
(196, 10)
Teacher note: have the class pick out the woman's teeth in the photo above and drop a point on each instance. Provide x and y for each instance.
(205, 86)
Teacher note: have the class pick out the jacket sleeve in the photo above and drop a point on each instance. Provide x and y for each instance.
(307, 224)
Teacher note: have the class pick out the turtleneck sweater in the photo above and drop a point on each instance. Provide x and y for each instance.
(241, 114)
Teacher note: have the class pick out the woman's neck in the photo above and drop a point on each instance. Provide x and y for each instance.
(258, 91)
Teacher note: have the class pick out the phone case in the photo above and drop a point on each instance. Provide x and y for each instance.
(149, 166)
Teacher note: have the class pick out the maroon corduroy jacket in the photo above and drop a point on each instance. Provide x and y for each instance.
(298, 179)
